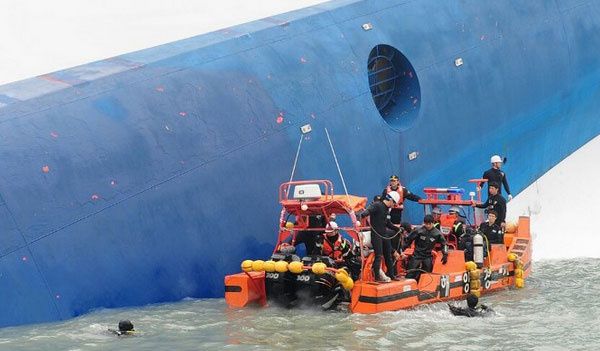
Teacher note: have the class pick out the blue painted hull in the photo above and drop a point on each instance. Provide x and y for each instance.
(150, 176)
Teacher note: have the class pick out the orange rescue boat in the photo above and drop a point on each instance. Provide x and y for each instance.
(290, 280)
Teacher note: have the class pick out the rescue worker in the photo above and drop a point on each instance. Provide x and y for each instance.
(458, 227)
(472, 310)
(125, 328)
(436, 212)
(449, 224)
(494, 174)
(395, 186)
(380, 239)
(425, 238)
(494, 202)
(491, 230)
(334, 245)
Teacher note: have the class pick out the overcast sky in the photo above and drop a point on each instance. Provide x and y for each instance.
(38, 36)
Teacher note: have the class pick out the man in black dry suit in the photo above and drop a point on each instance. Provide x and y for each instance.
(425, 239)
(378, 212)
(494, 202)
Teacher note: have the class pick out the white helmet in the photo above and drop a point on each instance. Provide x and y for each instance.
(393, 195)
(331, 227)
(495, 159)
(437, 210)
(454, 208)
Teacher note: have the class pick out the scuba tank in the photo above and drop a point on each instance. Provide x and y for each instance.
(478, 249)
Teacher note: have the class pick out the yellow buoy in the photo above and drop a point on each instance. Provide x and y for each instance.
(295, 267)
(342, 277)
(476, 292)
(512, 257)
(519, 283)
(247, 265)
(269, 266)
(475, 275)
(348, 284)
(475, 284)
(319, 268)
(518, 273)
(289, 225)
(469, 266)
(258, 265)
(281, 266)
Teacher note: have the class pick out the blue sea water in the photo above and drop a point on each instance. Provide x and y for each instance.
(558, 309)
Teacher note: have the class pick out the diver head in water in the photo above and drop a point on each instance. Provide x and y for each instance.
(472, 300)
(125, 328)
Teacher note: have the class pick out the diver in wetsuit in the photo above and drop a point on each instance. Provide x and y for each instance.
(494, 202)
(378, 213)
(125, 328)
(472, 310)
(425, 239)
(491, 230)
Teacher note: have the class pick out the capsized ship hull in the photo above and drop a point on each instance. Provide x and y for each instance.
(129, 180)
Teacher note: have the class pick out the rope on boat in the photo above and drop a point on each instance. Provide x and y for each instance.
(339, 170)
(296, 159)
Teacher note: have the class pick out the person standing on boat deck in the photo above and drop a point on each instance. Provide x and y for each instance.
(491, 230)
(425, 239)
(495, 202)
(494, 174)
(378, 212)
(396, 211)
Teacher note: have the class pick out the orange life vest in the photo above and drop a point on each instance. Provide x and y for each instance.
(400, 191)
(447, 223)
(336, 250)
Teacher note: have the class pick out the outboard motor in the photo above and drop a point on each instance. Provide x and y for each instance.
(281, 287)
(478, 249)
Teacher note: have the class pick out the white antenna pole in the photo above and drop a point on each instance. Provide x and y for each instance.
(339, 170)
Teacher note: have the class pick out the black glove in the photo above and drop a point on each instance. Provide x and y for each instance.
(445, 258)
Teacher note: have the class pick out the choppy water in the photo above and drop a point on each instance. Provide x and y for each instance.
(558, 309)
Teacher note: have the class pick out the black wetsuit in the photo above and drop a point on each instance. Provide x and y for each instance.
(122, 332)
(498, 176)
(378, 212)
(492, 232)
(422, 258)
(396, 213)
(479, 311)
(497, 203)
